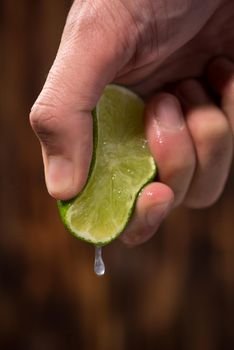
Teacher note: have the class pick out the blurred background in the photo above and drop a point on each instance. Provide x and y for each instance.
(174, 292)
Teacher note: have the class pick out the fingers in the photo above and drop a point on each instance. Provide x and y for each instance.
(152, 206)
(170, 144)
(221, 77)
(193, 155)
(212, 140)
(193, 152)
(61, 116)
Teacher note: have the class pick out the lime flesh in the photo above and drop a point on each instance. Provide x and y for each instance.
(121, 166)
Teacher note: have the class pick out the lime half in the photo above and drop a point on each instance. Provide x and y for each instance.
(121, 166)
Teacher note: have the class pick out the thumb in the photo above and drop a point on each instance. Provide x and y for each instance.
(61, 116)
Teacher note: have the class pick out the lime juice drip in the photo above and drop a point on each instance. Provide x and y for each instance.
(99, 266)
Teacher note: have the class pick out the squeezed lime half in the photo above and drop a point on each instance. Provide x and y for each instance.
(121, 166)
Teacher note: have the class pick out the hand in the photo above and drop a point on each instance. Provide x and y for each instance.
(103, 42)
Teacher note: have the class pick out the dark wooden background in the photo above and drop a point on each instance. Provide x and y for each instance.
(175, 292)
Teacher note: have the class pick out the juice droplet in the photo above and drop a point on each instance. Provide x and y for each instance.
(99, 266)
(144, 144)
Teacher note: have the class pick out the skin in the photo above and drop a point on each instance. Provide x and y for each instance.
(145, 47)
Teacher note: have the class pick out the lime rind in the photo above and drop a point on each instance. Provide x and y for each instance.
(66, 208)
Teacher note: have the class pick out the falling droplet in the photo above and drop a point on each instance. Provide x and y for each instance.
(99, 266)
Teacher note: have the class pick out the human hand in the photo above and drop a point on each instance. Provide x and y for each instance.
(104, 42)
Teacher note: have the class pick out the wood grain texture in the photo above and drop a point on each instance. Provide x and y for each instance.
(175, 292)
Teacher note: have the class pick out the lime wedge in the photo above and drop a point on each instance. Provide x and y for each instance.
(121, 166)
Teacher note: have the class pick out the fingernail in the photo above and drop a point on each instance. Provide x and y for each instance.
(156, 214)
(168, 114)
(59, 177)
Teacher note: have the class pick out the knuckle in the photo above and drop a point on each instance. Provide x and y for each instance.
(44, 121)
